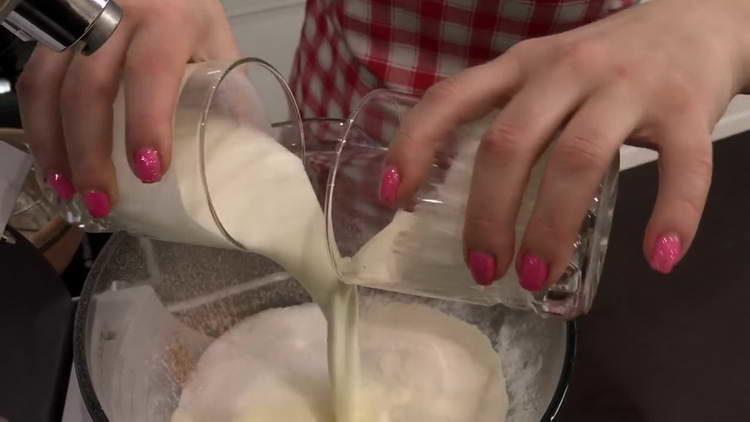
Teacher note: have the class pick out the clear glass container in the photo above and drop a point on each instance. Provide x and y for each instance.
(31, 213)
(419, 250)
(216, 98)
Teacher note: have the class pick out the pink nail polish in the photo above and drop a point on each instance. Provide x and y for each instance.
(666, 253)
(482, 266)
(61, 185)
(97, 203)
(389, 186)
(147, 165)
(533, 272)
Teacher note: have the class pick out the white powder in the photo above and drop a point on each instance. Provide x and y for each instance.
(418, 364)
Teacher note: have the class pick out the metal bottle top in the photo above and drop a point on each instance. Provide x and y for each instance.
(61, 24)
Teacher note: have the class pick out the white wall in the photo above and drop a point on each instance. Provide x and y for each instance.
(735, 120)
(269, 29)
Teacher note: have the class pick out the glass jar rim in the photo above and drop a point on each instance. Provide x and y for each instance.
(223, 70)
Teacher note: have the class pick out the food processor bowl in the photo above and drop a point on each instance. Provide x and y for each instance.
(149, 309)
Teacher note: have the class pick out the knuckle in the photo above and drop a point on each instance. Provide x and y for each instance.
(137, 61)
(702, 164)
(169, 11)
(31, 83)
(478, 224)
(704, 167)
(142, 61)
(527, 47)
(407, 134)
(487, 230)
(504, 140)
(166, 15)
(99, 86)
(444, 90)
(164, 8)
(624, 74)
(691, 207)
(549, 230)
(405, 144)
(679, 100)
(689, 188)
(679, 96)
(522, 56)
(581, 154)
(698, 172)
(583, 55)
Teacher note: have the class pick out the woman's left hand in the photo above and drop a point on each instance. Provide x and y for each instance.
(662, 72)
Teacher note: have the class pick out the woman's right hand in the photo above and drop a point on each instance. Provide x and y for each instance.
(66, 98)
(662, 72)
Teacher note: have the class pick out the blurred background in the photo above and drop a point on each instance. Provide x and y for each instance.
(13, 54)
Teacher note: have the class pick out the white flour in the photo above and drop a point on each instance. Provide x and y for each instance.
(418, 364)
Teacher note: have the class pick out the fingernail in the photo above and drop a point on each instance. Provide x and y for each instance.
(147, 165)
(389, 186)
(533, 272)
(482, 266)
(97, 203)
(61, 185)
(666, 253)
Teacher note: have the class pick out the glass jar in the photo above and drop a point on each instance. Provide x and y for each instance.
(419, 251)
(217, 99)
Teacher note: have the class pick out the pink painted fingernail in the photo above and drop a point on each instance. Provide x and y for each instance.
(482, 266)
(97, 203)
(533, 272)
(389, 186)
(61, 185)
(147, 163)
(666, 253)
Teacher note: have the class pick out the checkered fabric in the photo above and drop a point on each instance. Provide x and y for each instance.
(350, 47)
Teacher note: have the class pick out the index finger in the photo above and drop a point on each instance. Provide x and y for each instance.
(154, 69)
(459, 99)
(154, 73)
(39, 102)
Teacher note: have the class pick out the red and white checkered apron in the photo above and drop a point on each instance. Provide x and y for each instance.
(350, 47)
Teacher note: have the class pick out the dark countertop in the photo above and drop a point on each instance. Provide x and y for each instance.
(677, 347)
(36, 321)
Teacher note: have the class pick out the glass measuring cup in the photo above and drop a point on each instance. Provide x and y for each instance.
(216, 97)
(419, 250)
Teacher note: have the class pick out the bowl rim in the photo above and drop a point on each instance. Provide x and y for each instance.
(94, 407)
